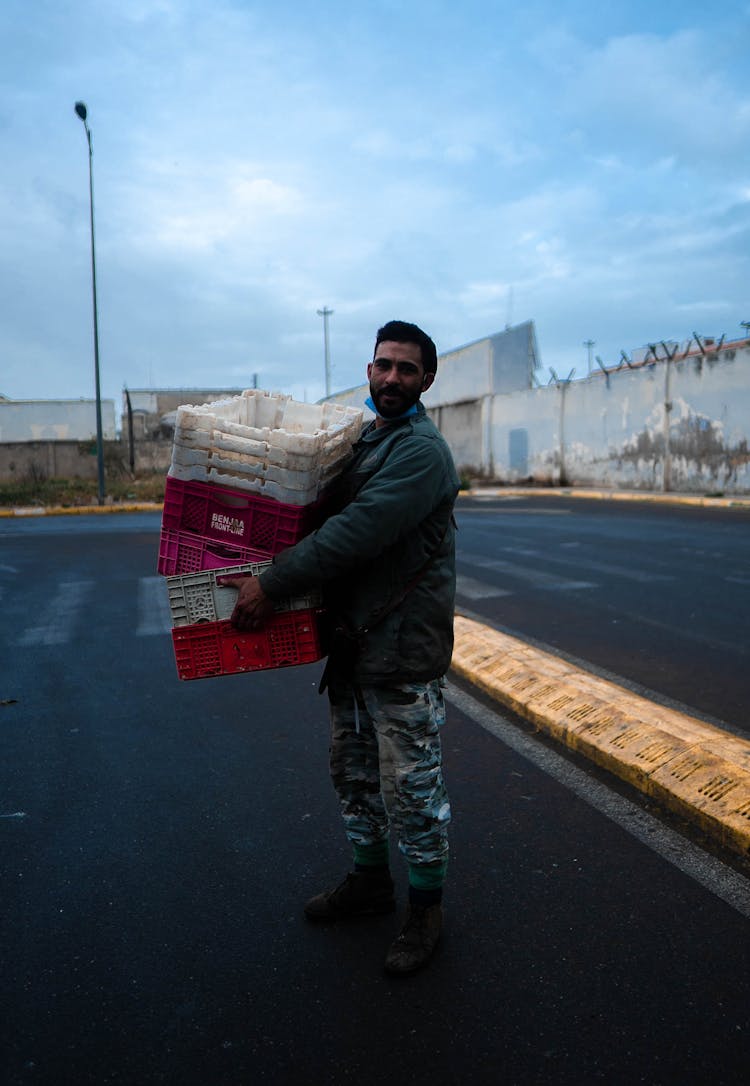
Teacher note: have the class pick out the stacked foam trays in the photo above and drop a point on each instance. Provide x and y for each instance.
(266, 443)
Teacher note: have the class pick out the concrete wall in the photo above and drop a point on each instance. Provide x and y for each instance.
(680, 425)
(54, 420)
(460, 424)
(77, 459)
(677, 425)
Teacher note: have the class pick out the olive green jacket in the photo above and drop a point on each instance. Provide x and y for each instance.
(392, 518)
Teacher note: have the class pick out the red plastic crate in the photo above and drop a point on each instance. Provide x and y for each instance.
(208, 649)
(235, 517)
(183, 552)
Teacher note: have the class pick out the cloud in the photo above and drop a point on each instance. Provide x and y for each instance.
(192, 211)
(663, 96)
(254, 162)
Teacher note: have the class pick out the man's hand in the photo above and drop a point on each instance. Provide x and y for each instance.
(253, 607)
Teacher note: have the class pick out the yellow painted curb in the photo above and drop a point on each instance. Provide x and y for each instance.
(739, 502)
(697, 770)
(79, 510)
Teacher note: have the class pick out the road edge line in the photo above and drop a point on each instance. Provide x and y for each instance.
(695, 769)
(80, 510)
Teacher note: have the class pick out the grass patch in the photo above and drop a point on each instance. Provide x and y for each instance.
(36, 490)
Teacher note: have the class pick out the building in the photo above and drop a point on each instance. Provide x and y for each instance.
(151, 410)
(54, 420)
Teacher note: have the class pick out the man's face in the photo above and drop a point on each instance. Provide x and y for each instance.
(397, 377)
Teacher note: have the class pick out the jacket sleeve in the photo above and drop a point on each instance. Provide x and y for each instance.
(411, 483)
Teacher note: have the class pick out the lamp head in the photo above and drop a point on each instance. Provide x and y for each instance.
(81, 110)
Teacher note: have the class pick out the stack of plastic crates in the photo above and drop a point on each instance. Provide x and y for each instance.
(206, 644)
(248, 478)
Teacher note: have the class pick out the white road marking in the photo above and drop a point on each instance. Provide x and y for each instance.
(478, 590)
(57, 620)
(616, 571)
(585, 564)
(538, 577)
(154, 616)
(524, 511)
(685, 631)
(709, 872)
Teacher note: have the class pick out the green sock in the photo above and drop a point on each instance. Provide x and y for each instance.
(427, 876)
(369, 856)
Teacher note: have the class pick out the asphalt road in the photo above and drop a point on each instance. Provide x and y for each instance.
(159, 838)
(655, 595)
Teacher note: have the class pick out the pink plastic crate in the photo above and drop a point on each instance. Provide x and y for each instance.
(183, 552)
(236, 518)
(208, 649)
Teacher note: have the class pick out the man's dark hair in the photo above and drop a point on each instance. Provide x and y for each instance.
(403, 332)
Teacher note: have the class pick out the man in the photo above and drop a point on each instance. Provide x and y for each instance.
(385, 561)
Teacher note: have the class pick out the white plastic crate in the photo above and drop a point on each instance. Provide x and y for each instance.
(266, 443)
(257, 409)
(196, 597)
(233, 476)
(219, 465)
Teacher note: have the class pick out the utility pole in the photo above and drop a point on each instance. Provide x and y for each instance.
(666, 484)
(82, 113)
(325, 313)
(590, 344)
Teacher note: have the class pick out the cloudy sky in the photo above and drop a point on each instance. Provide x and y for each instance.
(460, 164)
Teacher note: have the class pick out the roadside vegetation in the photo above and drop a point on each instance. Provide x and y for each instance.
(35, 489)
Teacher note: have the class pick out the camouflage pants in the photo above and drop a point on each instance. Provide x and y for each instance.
(386, 766)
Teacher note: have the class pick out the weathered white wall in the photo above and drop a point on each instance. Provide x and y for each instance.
(26, 460)
(603, 430)
(460, 424)
(56, 420)
(521, 425)
(610, 431)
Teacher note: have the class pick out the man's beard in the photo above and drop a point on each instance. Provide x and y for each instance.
(401, 402)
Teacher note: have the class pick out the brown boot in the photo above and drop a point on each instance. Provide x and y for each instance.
(362, 893)
(417, 940)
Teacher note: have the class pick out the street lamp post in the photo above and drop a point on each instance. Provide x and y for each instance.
(325, 313)
(81, 111)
